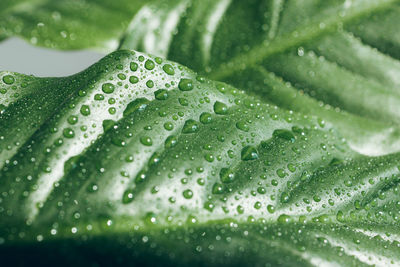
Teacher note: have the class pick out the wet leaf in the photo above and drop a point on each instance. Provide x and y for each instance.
(97, 169)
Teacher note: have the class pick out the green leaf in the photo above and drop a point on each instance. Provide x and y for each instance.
(138, 160)
(68, 24)
(336, 59)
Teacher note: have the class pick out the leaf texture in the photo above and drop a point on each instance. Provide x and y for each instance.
(145, 161)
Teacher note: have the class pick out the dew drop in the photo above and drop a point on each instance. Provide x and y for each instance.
(242, 126)
(161, 94)
(185, 85)
(108, 88)
(68, 133)
(133, 66)
(226, 175)
(284, 134)
(168, 126)
(188, 194)
(284, 218)
(127, 196)
(249, 153)
(205, 118)
(149, 64)
(85, 110)
(133, 79)
(191, 126)
(168, 69)
(145, 140)
(8, 79)
(220, 108)
(72, 119)
(171, 141)
(137, 104)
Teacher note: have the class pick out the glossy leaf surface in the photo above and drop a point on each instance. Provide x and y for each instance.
(144, 161)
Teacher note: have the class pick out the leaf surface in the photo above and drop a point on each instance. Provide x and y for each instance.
(337, 59)
(144, 161)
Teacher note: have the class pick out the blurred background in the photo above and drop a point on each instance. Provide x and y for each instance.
(20, 56)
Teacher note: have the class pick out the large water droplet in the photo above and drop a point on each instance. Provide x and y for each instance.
(185, 85)
(191, 126)
(226, 175)
(284, 134)
(149, 64)
(220, 108)
(137, 104)
(168, 69)
(108, 88)
(249, 153)
(8, 79)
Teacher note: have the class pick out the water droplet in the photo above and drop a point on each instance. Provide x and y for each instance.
(149, 64)
(340, 216)
(281, 173)
(217, 188)
(133, 66)
(150, 84)
(118, 142)
(92, 188)
(168, 69)
(183, 101)
(108, 88)
(185, 84)
(240, 209)
(284, 197)
(140, 177)
(284, 218)
(145, 140)
(133, 79)
(98, 97)
(161, 94)
(168, 126)
(137, 104)
(249, 153)
(271, 209)
(191, 126)
(127, 196)
(284, 134)
(72, 119)
(68, 133)
(208, 205)
(8, 79)
(242, 126)
(187, 194)
(85, 110)
(108, 124)
(220, 108)
(200, 78)
(150, 218)
(170, 141)
(226, 175)
(205, 118)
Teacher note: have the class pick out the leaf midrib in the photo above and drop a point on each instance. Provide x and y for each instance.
(285, 42)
